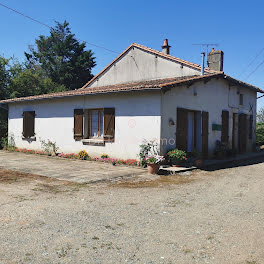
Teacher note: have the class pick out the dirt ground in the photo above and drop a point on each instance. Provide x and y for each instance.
(195, 217)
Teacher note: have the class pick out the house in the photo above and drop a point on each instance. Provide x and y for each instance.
(143, 94)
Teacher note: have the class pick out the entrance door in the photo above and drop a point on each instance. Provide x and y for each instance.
(182, 129)
(242, 133)
(235, 133)
(189, 134)
(190, 139)
(205, 131)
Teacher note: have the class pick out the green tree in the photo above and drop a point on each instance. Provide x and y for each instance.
(4, 77)
(18, 81)
(62, 57)
(32, 82)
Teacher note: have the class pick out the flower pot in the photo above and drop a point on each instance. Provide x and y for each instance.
(198, 163)
(177, 162)
(153, 168)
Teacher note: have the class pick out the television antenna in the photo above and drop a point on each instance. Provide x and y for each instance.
(207, 45)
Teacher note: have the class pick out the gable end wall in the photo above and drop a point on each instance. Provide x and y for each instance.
(138, 65)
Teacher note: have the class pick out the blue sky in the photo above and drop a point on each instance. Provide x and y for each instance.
(236, 25)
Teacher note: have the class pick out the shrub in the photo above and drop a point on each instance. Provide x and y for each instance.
(49, 147)
(8, 143)
(147, 148)
(154, 159)
(177, 154)
(83, 155)
(260, 133)
(104, 156)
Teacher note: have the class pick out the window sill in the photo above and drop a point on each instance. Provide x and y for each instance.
(93, 141)
(29, 138)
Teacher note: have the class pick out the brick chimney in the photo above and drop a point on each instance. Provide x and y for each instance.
(215, 60)
(166, 47)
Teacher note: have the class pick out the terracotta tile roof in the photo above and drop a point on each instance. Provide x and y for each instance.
(160, 84)
(156, 52)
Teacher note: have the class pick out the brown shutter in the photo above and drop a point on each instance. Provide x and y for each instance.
(78, 124)
(182, 129)
(24, 124)
(250, 132)
(29, 124)
(235, 133)
(225, 126)
(205, 131)
(89, 123)
(242, 133)
(109, 124)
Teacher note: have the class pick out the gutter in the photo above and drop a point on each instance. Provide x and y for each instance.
(84, 94)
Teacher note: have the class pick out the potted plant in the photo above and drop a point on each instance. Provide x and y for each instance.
(153, 163)
(177, 157)
(198, 160)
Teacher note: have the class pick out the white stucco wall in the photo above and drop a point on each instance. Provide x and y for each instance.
(138, 65)
(213, 97)
(137, 117)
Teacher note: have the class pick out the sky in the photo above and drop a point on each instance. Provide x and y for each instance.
(237, 27)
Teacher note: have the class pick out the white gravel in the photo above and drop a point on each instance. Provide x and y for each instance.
(215, 217)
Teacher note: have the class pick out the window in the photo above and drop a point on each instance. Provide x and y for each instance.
(28, 124)
(241, 99)
(96, 123)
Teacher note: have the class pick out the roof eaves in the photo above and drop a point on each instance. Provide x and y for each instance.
(241, 83)
(78, 93)
(192, 79)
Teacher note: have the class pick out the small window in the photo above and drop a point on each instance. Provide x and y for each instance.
(241, 99)
(97, 124)
(28, 124)
(96, 120)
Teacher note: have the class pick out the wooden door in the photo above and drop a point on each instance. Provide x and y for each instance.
(242, 127)
(235, 133)
(205, 131)
(225, 127)
(182, 129)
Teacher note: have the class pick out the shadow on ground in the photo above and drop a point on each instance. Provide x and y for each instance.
(234, 163)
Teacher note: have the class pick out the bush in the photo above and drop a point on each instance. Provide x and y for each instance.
(154, 159)
(146, 149)
(104, 156)
(49, 147)
(83, 155)
(260, 133)
(177, 154)
(8, 143)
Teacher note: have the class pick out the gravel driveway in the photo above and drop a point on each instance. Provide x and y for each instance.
(196, 217)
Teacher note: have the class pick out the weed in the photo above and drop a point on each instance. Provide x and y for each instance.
(109, 227)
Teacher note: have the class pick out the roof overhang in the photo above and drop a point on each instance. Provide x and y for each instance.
(150, 85)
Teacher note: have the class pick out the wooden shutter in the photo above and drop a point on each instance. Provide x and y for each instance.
(225, 127)
(235, 133)
(205, 132)
(78, 124)
(29, 124)
(182, 129)
(242, 133)
(250, 128)
(109, 124)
